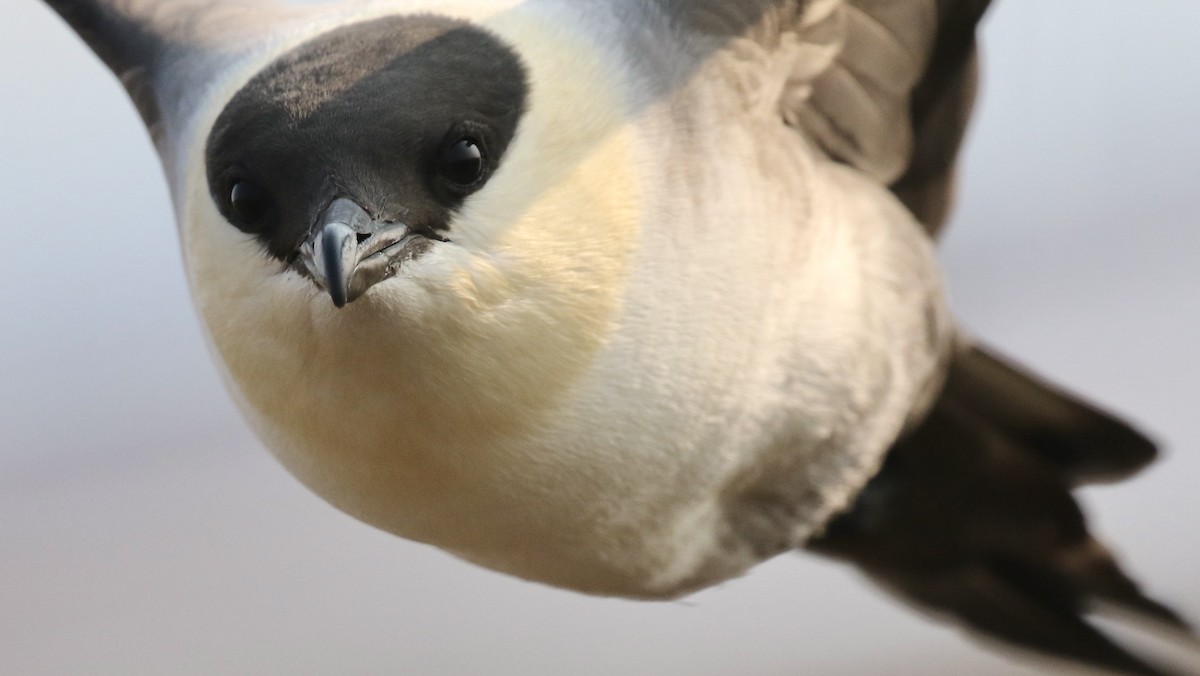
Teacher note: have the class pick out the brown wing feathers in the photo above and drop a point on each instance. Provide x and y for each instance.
(972, 516)
(940, 109)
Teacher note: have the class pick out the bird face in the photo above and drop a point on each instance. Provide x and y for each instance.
(407, 239)
(350, 155)
(381, 151)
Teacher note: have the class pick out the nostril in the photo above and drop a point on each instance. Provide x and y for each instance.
(362, 237)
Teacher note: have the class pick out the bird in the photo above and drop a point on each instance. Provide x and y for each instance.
(624, 297)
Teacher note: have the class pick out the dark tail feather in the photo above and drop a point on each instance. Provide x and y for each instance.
(1084, 443)
(972, 515)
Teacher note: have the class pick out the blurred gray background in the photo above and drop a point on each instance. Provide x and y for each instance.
(144, 531)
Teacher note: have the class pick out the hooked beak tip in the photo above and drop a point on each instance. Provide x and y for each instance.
(338, 258)
(348, 252)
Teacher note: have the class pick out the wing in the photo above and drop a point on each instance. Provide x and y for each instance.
(972, 515)
(886, 86)
(166, 52)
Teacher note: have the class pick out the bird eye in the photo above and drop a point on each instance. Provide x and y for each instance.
(462, 162)
(249, 203)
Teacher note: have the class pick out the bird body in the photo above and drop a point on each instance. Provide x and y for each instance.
(569, 393)
(622, 297)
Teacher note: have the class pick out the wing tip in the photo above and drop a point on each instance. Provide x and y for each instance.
(1087, 444)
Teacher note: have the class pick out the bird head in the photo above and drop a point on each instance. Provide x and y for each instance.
(350, 156)
(389, 193)
(425, 150)
(403, 230)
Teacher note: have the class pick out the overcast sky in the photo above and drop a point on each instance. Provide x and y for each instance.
(143, 530)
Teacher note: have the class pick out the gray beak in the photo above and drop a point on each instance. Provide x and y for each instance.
(349, 252)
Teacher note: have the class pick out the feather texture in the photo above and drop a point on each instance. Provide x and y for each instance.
(972, 516)
(885, 86)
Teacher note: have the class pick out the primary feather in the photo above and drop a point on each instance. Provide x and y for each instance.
(972, 515)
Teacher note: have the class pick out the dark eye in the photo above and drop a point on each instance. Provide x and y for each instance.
(249, 202)
(462, 162)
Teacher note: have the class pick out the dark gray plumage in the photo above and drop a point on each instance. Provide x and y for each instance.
(306, 146)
